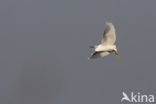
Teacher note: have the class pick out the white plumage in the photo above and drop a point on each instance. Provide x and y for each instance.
(107, 45)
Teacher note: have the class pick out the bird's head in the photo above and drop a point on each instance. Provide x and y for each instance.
(93, 46)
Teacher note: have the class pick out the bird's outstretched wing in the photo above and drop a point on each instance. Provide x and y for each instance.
(109, 36)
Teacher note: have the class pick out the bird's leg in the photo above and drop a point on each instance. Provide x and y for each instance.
(116, 54)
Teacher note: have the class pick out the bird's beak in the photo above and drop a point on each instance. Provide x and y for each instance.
(91, 47)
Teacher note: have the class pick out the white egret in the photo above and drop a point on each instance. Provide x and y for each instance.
(107, 45)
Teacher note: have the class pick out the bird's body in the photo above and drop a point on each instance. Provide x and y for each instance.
(105, 48)
(107, 45)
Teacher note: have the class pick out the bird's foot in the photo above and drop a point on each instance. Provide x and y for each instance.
(118, 56)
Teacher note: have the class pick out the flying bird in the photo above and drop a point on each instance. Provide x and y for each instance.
(107, 45)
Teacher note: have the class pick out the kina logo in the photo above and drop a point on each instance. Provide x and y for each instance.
(137, 97)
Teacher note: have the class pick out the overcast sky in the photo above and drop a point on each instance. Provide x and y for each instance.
(45, 45)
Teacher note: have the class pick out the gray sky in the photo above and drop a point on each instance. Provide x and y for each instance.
(45, 44)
